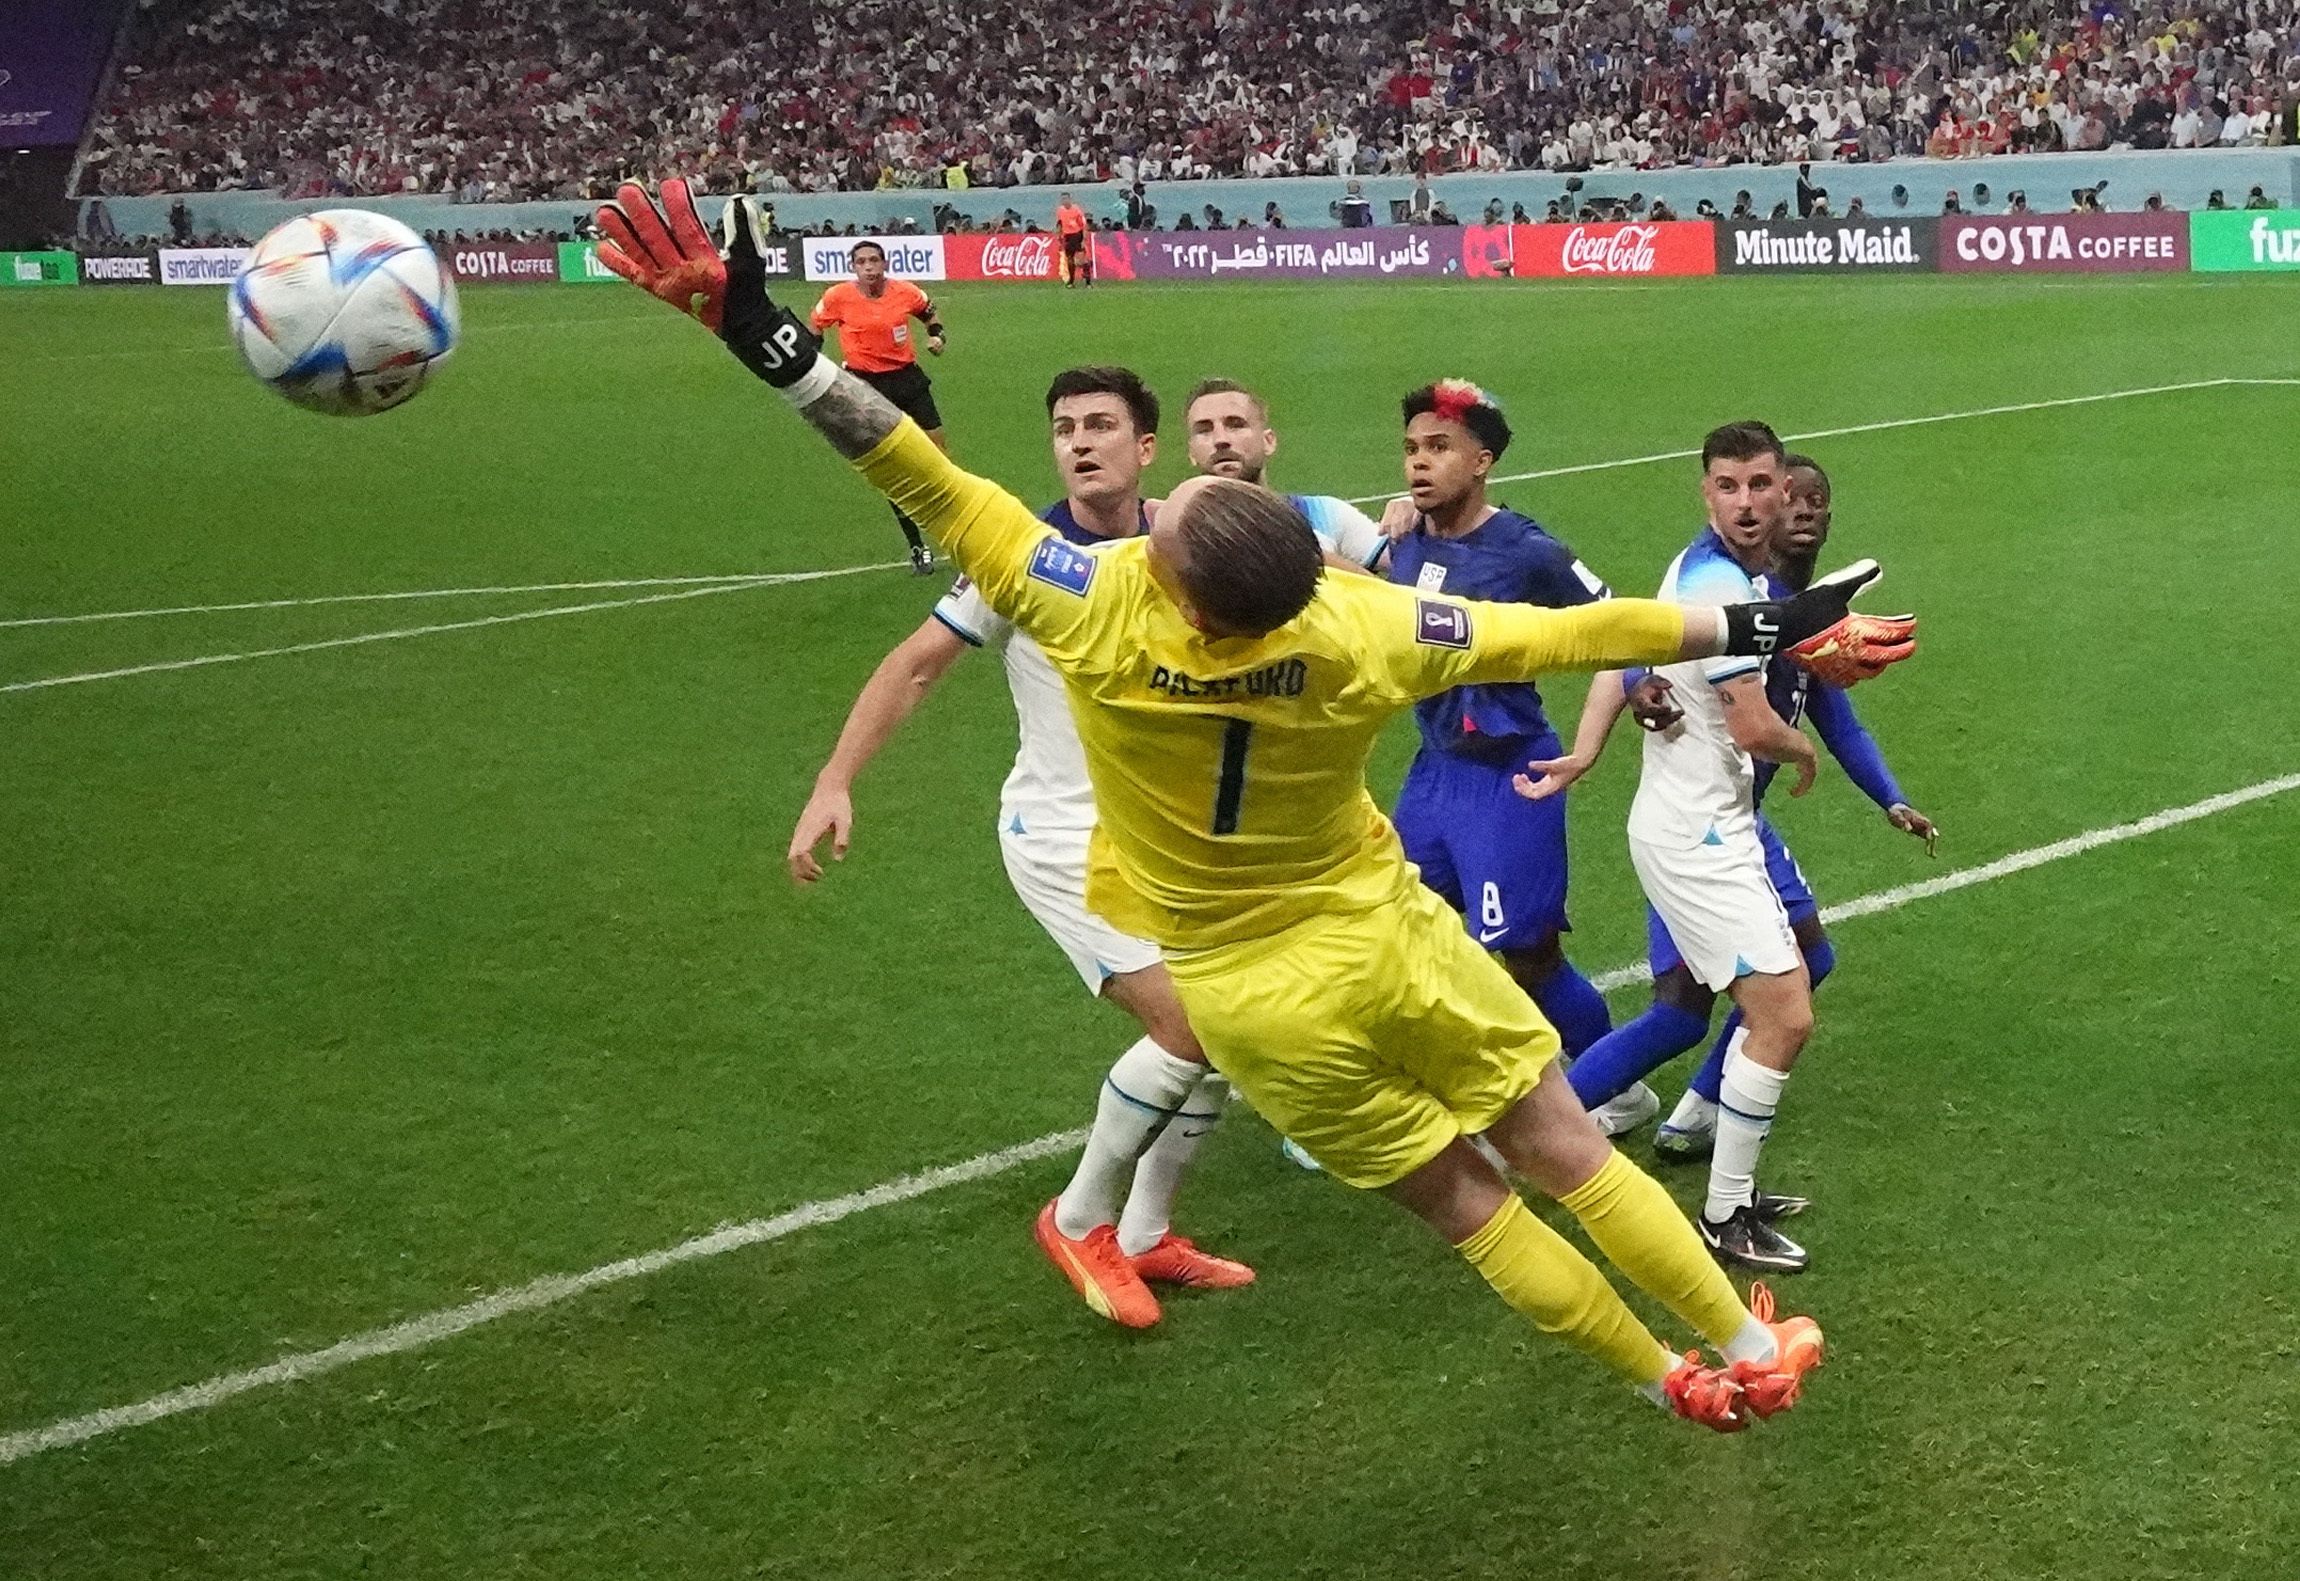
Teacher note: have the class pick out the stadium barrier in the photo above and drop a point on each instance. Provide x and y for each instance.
(2151, 241)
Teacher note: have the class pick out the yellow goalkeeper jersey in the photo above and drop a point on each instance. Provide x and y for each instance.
(1229, 773)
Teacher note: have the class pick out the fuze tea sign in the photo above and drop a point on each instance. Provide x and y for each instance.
(2220, 240)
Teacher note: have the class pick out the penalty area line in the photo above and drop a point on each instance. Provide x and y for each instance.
(1873, 428)
(433, 1327)
(400, 633)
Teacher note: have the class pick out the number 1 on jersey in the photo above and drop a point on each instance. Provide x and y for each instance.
(1230, 790)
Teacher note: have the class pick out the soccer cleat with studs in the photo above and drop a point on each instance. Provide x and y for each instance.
(1708, 1395)
(1101, 1274)
(1749, 1239)
(1176, 1260)
(1798, 1348)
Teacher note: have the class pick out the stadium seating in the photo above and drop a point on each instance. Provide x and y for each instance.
(499, 100)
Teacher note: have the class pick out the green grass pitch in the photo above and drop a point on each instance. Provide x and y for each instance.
(349, 985)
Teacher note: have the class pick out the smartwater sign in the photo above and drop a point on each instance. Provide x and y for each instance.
(907, 257)
(1831, 246)
(202, 265)
(2147, 242)
(2220, 240)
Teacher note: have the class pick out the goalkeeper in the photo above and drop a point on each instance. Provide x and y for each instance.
(1227, 694)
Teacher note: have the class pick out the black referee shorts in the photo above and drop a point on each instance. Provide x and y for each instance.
(911, 391)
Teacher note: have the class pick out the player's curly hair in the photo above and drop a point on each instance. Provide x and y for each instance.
(1798, 461)
(1249, 560)
(1104, 379)
(1459, 401)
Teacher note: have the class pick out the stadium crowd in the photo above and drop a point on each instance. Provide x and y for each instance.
(493, 100)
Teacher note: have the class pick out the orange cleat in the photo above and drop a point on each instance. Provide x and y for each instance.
(1176, 1260)
(1099, 1271)
(1708, 1395)
(1799, 1349)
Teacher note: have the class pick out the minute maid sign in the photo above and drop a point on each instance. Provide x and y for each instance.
(2225, 239)
(1799, 246)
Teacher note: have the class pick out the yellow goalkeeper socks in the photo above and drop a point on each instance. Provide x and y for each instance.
(1642, 1233)
(1538, 1272)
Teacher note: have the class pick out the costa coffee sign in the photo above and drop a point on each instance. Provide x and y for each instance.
(515, 261)
(1027, 256)
(1654, 247)
(2064, 243)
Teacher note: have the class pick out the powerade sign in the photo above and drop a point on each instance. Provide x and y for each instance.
(579, 262)
(907, 257)
(140, 268)
(2147, 242)
(44, 268)
(1864, 246)
(2220, 240)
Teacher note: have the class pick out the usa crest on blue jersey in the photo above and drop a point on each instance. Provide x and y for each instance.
(1057, 564)
(1441, 625)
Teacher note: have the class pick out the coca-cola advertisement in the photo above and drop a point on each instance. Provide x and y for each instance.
(518, 262)
(1653, 247)
(2064, 243)
(1027, 255)
(1367, 253)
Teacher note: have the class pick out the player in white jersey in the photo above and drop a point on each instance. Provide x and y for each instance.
(1693, 834)
(1160, 1099)
(1231, 437)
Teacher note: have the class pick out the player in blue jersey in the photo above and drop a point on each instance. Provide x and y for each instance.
(1496, 857)
(1231, 437)
(1682, 1003)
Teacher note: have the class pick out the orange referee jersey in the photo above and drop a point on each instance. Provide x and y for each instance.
(874, 331)
(1071, 219)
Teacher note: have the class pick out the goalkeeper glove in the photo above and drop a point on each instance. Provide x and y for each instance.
(667, 253)
(1818, 630)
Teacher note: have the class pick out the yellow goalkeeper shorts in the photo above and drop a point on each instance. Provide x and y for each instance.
(1371, 1039)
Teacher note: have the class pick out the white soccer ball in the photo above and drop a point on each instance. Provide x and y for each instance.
(344, 311)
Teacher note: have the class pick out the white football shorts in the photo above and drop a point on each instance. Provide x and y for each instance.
(1719, 907)
(1049, 872)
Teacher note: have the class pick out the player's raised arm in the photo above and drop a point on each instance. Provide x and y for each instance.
(1453, 642)
(667, 252)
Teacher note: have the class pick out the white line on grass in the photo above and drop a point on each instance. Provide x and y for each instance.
(392, 598)
(434, 630)
(550, 1290)
(1871, 428)
(416, 1333)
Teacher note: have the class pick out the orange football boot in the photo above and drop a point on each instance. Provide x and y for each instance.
(1098, 1271)
(1708, 1395)
(1176, 1260)
(1799, 1348)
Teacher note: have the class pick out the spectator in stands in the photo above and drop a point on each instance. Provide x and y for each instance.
(559, 98)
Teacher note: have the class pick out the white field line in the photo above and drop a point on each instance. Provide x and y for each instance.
(434, 630)
(416, 1333)
(392, 598)
(1871, 428)
(1361, 499)
(550, 1290)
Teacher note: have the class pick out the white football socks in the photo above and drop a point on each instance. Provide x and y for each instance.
(1142, 1092)
(1150, 1203)
(1747, 1098)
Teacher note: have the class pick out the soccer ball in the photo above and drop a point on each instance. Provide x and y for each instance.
(344, 312)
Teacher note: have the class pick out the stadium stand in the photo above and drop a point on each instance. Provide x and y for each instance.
(500, 100)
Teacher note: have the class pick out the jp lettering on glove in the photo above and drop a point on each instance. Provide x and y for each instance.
(667, 252)
(1819, 630)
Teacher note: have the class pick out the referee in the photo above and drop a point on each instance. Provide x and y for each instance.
(872, 314)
